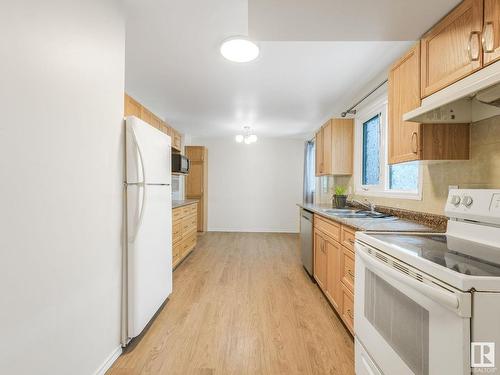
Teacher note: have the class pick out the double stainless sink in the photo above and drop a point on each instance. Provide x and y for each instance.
(350, 213)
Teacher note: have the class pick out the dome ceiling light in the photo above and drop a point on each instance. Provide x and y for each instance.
(239, 49)
(247, 137)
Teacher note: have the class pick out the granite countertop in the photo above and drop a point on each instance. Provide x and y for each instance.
(393, 224)
(184, 202)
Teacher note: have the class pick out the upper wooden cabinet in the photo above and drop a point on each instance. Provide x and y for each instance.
(452, 49)
(134, 108)
(318, 144)
(403, 96)
(408, 141)
(491, 31)
(334, 148)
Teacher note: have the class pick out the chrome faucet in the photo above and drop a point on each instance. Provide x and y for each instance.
(366, 204)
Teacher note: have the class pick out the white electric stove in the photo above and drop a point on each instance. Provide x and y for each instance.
(430, 303)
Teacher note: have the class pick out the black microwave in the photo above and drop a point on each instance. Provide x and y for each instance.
(180, 164)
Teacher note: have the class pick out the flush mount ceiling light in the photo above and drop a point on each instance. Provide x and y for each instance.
(247, 136)
(239, 49)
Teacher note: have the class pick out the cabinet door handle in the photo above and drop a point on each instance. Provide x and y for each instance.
(477, 35)
(414, 142)
(351, 241)
(350, 273)
(488, 38)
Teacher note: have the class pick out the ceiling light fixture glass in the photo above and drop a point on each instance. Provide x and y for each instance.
(239, 49)
(247, 137)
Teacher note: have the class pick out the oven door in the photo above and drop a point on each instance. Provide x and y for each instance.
(408, 322)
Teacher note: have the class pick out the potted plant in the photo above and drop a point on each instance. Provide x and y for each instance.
(339, 198)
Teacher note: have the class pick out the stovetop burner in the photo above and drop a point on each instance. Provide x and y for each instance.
(462, 256)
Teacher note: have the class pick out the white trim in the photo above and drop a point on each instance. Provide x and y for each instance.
(378, 106)
(109, 361)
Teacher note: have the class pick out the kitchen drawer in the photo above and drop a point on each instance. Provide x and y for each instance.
(188, 243)
(347, 236)
(348, 308)
(347, 268)
(176, 251)
(177, 213)
(176, 232)
(192, 208)
(328, 227)
(188, 224)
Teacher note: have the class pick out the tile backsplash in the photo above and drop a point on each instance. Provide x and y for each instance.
(481, 171)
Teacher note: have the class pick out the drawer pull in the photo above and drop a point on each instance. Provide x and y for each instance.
(351, 241)
(350, 273)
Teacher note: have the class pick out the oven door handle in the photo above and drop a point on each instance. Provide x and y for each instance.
(448, 299)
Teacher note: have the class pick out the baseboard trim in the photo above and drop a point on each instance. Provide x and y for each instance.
(257, 230)
(109, 361)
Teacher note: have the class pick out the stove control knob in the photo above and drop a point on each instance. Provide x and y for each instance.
(455, 200)
(467, 201)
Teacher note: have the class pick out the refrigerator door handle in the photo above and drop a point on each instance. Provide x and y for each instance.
(141, 214)
(141, 184)
(141, 159)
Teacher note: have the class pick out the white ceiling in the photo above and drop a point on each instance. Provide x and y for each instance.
(173, 66)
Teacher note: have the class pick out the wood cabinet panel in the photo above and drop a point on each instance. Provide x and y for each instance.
(147, 115)
(156, 122)
(333, 287)
(334, 148)
(491, 31)
(348, 308)
(408, 141)
(183, 231)
(327, 148)
(320, 259)
(319, 153)
(197, 182)
(328, 227)
(347, 237)
(347, 268)
(404, 95)
(446, 142)
(342, 146)
(447, 55)
(132, 107)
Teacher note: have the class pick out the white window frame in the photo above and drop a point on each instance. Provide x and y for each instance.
(378, 106)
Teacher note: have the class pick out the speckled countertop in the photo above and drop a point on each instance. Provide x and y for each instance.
(392, 224)
(183, 202)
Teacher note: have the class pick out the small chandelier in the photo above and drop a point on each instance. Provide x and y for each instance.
(247, 137)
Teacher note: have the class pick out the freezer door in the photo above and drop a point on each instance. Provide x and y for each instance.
(148, 153)
(149, 252)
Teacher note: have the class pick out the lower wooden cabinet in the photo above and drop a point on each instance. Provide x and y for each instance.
(334, 266)
(184, 223)
(333, 272)
(347, 311)
(320, 259)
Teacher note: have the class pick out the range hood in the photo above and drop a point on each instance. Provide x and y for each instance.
(471, 99)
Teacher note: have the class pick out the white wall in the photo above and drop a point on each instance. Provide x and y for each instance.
(61, 168)
(254, 188)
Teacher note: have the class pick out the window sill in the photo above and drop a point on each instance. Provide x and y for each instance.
(417, 196)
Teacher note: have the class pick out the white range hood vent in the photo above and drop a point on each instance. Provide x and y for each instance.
(471, 99)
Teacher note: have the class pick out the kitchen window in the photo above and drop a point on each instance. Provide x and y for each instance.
(373, 175)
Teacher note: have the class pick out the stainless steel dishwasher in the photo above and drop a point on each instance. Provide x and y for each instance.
(306, 240)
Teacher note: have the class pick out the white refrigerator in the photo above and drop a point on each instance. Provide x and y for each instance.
(148, 256)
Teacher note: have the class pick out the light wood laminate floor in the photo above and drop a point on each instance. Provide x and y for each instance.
(242, 304)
